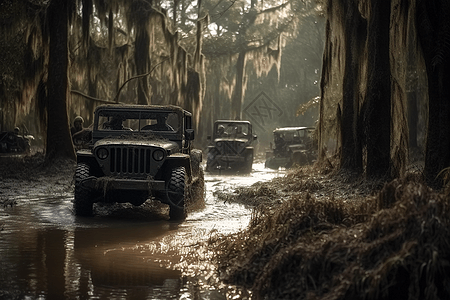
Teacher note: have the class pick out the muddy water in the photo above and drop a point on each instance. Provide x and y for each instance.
(47, 253)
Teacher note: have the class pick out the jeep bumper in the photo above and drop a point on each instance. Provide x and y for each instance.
(123, 184)
(226, 162)
(276, 162)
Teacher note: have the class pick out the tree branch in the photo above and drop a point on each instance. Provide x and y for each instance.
(116, 98)
(90, 97)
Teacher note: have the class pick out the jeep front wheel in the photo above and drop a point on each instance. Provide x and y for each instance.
(82, 204)
(176, 191)
(248, 164)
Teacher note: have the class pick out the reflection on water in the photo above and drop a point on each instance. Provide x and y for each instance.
(46, 253)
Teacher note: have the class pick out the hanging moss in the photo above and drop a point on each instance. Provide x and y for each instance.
(109, 43)
(228, 57)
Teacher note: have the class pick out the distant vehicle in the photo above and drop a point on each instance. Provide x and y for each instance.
(292, 145)
(14, 143)
(138, 152)
(232, 146)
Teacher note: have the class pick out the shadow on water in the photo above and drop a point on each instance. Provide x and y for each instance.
(124, 259)
(107, 258)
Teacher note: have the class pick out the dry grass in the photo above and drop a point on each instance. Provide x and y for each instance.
(335, 238)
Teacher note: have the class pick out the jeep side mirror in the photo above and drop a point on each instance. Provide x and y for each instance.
(189, 133)
(255, 137)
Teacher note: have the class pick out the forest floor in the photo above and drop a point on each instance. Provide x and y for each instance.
(315, 233)
(29, 175)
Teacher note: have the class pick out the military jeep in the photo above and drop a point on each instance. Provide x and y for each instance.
(12, 142)
(292, 145)
(231, 147)
(137, 152)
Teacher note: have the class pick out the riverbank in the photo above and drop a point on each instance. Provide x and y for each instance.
(317, 234)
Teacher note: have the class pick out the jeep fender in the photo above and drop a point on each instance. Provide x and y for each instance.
(248, 150)
(196, 158)
(178, 160)
(299, 157)
(86, 156)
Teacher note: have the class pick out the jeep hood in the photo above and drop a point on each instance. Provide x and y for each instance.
(166, 144)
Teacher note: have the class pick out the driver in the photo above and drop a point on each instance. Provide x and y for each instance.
(220, 130)
(161, 124)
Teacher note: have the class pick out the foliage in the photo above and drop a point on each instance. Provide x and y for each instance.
(109, 43)
(273, 48)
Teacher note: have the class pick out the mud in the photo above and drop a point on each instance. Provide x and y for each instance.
(124, 251)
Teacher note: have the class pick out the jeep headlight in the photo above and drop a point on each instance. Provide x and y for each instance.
(102, 153)
(158, 155)
(219, 144)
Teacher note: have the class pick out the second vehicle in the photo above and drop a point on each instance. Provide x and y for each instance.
(232, 146)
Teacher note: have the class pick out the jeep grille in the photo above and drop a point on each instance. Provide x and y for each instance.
(125, 160)
(228, 147)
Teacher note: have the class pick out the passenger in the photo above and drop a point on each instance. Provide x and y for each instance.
(20, 140)
(280, 143)
(239, 132)
(80, 135)
(77, 125)
(82, 138)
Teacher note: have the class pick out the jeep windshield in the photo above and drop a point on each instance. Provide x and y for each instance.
(232, 130)
(140, 121)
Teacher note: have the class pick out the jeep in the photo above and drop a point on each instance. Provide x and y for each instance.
(231, 147)
(293, 145)
(137, 152)
(12, 142)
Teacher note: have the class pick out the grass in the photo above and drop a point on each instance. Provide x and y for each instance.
(316, 235)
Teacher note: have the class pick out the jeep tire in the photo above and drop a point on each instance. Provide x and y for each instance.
(82, 204)
(248, 164)
(176, 191)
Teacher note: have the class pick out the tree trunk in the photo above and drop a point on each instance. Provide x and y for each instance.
(412, 90)
(141, 57)
(378, 99)
(238, 97)
(351, 155)
(434, 36)
(59, 142)
(325, 78)
(413, 118)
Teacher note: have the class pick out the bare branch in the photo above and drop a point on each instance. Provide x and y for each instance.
(90, 97)
(116, 98)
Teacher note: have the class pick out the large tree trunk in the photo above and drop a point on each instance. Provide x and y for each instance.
(59, 142)
(141, 55)
(434, 35)
(412, 90)
(413, 118)
(378, 113)
(351, 155)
